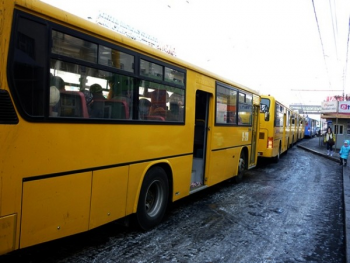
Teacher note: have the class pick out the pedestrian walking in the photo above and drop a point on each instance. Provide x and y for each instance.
(344, 153)
(329, 139)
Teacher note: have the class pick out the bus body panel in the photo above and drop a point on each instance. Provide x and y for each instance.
(279, 140)
(108, 198)
(59, 178)
(287, 131)
(284, 134)
(270, 132)
(55, 207)
(223, 164)
(265, 135)
(8, 233)
(226, 150)
(182, 171)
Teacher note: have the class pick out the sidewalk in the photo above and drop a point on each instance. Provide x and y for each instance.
(316, 146)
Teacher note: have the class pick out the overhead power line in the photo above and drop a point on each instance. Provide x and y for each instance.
(319, 33)
(335, 30)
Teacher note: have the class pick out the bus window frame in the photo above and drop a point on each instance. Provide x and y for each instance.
(164, 65)
(237, 105)
(279, 112)
(266, 109)
(50, 26)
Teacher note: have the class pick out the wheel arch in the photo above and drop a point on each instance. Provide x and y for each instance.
(240, 173)
(168, 170)
(246, 155)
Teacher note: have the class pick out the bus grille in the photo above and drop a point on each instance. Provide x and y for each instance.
(7, 111)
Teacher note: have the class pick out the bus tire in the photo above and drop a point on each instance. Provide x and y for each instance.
(278, 156)
(241, 168)
(153, 199)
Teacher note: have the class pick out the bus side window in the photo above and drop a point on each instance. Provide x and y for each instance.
(28, 63)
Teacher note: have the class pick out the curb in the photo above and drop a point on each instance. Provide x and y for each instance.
(320, 154)
(346, 194)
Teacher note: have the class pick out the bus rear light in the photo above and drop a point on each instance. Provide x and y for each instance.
(269, 142)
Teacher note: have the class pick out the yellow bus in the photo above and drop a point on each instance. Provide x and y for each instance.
(275, 134)
(296, 127)
(95, 127)
(298, 123)
(301, 127)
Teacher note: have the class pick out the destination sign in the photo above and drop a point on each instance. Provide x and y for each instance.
(306, 109)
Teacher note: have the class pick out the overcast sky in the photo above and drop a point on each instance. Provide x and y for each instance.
(272, 46)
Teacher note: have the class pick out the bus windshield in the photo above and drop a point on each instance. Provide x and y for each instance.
(264, 105)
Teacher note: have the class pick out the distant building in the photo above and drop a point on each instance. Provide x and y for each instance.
(306, 109)
(336, 112)
(338, 98)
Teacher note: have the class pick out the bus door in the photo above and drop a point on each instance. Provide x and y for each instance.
(200, 140)
(254, 135)
(286, 131)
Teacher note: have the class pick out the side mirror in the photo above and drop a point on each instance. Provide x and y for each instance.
(267, 116)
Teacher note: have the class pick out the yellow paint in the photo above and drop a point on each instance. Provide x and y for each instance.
(108, 198)
(55, 207)
(223, 165)
(182, 167)
(7, 233)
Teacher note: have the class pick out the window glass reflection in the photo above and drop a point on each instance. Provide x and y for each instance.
(69, 46)
(116, 59)
(159, 102)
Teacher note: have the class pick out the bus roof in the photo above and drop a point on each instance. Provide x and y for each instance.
(63, 17)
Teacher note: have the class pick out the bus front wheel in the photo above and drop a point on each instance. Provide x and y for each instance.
(153, 198)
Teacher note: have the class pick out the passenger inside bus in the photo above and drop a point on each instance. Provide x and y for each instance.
(159, 98)
(58, 82)
(111, 89)
(144, 108)
(83, 88)
(56, 85)
(176, 107)
(54, 101)
(231, 117)
(120, 88)
(96, 106)
(159, 113)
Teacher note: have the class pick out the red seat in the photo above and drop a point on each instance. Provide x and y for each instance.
(72, 104)
(115, 108)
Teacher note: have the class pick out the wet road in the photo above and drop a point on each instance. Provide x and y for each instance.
(291, 211)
